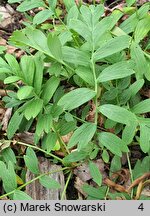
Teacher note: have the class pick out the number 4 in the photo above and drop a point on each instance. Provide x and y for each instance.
(141, 207)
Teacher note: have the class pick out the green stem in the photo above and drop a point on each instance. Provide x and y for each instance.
(66, 185)
(76, 42)
(39, 149)
(107, 191)
(60, 140)
(83, 121)
(131, 174)
(96, 89)
(34, 179)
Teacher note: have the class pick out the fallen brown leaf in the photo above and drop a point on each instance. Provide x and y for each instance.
(138, 180)
(115, 186)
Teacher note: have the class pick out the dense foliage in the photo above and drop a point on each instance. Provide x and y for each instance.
(79, 78)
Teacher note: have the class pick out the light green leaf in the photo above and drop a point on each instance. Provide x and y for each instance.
(105, 156)
(20, 195)
(9, 178)
(44, 123)
(142, 107)
(136, 87)
(129, 132)
(30, 111)
(13, 125)
(115, 164)
(67, 127)
(31, 161)
(69, 4)
(95, 173)
(42, 16)
(111, 142)
(8, 155)
(49, 89)
(52, 4)
(75, 156)
(72, 14)
(51, 140)
(141, 66)
(118, 114)
(114, 45)
(49, 182)
(4, 67)
(13, 64)
(75, 56)
(116, 71)
(76, 98)
(28, 68)
(13, 1)
(142, 29)
(82, 135)
(81, 28)
(130, 24)
(11, 79)
(37, 40)
(145, 138)
(24, 92)
(130, 2)
(38, 75)
(97, 193)
(55, 46)
(28, 5)
(2, 169)
(86, 74)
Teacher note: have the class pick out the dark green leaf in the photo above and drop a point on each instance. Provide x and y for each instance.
(75, 156)
(49, 182)
(144, 138)
(82, 135)
(98, 193)
(95, 173)
(38, 75)
(51, 140)
(8, 155)
(14, 124)
(111, 142)
(49, 89)
(30, 111)
(31, 161)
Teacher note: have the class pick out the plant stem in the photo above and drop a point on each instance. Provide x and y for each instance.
(83, 121)
(37, 148)
(66, 185)
(60, 140)
(34, 179)
(96, 90)
(107, 191)
(131, 174)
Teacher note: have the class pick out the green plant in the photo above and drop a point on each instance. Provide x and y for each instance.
(85, 59)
